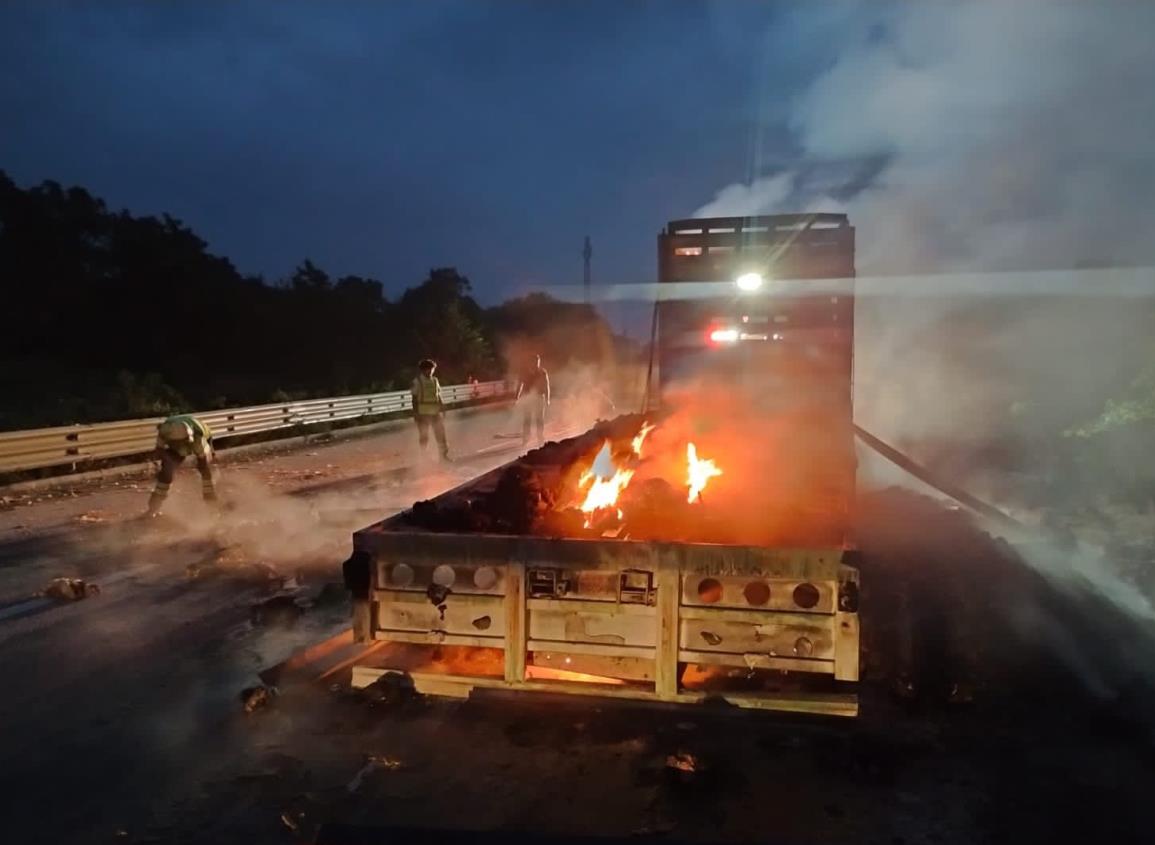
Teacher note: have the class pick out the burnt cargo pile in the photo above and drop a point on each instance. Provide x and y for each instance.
(530, 496)
(537, 495)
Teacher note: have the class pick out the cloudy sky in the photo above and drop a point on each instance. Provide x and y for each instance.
(384, 138)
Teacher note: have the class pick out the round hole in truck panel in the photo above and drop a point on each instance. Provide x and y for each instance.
(401, 575)
(756, 593)
(710, 590)
(484, 577)
(806, 596)
(444, 576)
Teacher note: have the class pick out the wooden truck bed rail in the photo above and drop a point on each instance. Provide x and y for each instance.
(651, 621)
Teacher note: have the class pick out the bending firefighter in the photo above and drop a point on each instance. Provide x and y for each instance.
(176, 439)
(427, 407)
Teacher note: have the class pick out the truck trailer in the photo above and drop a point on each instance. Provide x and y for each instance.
(744, 590)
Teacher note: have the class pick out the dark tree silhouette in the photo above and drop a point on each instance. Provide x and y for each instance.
(109, 315)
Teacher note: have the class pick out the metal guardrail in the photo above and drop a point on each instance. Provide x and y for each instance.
(70, 444)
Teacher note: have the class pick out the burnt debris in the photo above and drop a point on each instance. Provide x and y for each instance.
(530, 495)
(70, 589)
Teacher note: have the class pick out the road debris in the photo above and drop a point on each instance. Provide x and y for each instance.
(375, 763)
(293, 819)
(230, 556)
(302, 816)
(201, 569)
(257, 698)
(93, 516)
(233, 562)
(683, 761)
(69, 589)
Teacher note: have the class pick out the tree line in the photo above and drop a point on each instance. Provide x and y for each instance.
(111, 315)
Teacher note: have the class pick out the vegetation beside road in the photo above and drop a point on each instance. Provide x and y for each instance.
(115, 316)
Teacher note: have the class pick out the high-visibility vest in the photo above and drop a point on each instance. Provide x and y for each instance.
(198, 445)
(426, 395)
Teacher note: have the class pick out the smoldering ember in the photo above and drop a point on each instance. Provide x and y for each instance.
(369, 473)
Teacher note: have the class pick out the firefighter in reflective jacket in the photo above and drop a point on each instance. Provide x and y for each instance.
(426, 392)
(177, 438)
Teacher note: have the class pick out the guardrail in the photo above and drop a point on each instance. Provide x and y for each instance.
(71, 444)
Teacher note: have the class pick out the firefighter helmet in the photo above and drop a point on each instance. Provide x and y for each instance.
(175, 431)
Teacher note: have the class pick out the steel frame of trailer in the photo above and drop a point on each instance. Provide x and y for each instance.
(637, 611)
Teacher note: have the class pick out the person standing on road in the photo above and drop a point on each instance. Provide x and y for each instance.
(176, 438)
(534, 386)
(427, 407)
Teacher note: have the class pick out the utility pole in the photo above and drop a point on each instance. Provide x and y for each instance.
(587, 254)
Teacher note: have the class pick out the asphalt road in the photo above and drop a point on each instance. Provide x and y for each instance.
(120, 722)
(112, 700)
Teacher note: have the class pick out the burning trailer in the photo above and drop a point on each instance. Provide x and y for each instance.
(569, 571)
(699, 549)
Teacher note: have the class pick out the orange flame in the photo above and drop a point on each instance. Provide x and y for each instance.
(641, 438)
(607, 483)
(698, 472)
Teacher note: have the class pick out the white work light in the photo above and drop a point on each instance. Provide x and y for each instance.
(749, 281)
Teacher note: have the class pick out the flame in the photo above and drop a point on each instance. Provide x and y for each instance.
(607, 483)
(698, 472)
(641, 437)
(547, 673)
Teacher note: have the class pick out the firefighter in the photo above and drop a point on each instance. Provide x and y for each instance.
(176, 438)
(534, 386)
(427, 407)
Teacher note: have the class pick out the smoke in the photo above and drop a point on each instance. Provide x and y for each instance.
(591, 377)
(997, 137)
(991, 139)
(786, 473)
(1011, 135)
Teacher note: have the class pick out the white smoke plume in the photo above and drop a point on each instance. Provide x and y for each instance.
(988, 139)
(1000, 137)
(1011, 136)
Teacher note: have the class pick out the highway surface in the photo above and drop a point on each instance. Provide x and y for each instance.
(103, 696)
(120, 720)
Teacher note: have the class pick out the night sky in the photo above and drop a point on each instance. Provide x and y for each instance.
(386, 138)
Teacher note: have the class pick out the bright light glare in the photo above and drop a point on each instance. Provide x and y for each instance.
(749, 281)
(724, 335)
